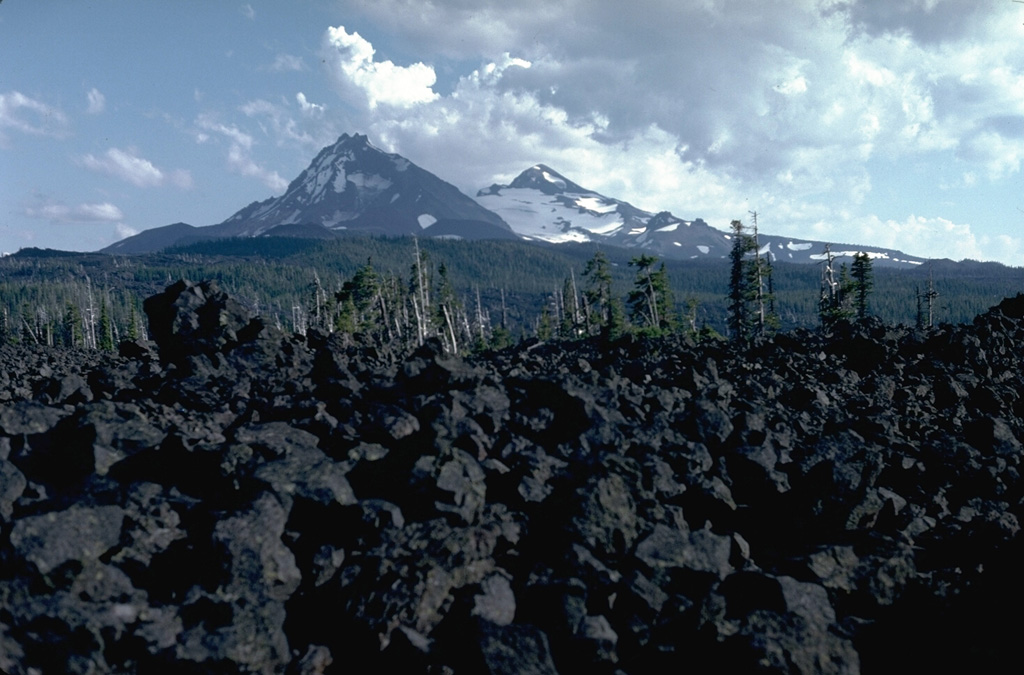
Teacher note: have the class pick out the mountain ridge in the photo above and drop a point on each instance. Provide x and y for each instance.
(352, 186)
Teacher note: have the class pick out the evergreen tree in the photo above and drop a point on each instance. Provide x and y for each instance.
(71, 326)
(132, 332)
(5, 328)
(545, 326)
(106, 328)
(358, 300)
(650, 301)
(742, 293)
(863, 282)
(604, 313)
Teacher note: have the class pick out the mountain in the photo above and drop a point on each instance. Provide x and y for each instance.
(350, 187)
(155, 239)
(354, 187)
(543, 205)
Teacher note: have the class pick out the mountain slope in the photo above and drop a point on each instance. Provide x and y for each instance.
(155, 239)
(353, 185)
(542, 204)
(350, 186)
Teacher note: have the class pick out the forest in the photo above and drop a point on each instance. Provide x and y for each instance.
(473, 295)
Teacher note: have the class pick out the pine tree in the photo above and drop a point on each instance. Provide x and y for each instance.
(358, 301)
(106, 328)
(742, 293)
(604, 315)
(863, 282)
(545, 325)
(71, 326)
(650, 301)
(132, 332)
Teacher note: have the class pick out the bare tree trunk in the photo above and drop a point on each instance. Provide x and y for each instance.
(451, 328)
(479, 315)
(420, 328)
(759, 274)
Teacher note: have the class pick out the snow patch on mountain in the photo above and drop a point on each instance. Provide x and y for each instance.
(370, 183)
(340, 181)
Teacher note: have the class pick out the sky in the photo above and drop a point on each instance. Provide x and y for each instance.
(893, 124)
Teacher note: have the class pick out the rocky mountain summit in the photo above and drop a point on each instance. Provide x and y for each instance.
(230, 499)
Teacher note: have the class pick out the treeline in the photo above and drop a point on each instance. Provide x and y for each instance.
(472, 294)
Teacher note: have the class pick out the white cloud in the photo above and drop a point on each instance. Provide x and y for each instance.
(248, 12)
(83, 213)
(1001, 155)
(129, 167)
(232, 132)
(310, 133)
(929, 237)
(97, 102)
(287, 63)
(126, 166)
(240, 161)
(307, 107)
(358, 76)
(711, 109)
(124, 231)
(239, 156)
(180, 178)
(31, 116)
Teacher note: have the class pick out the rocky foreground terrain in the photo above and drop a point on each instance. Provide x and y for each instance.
(227, 499)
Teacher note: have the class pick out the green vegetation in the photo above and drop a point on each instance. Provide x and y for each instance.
(751, 286)
(478, 294)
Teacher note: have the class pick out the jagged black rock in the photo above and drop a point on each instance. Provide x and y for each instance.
(231, 499)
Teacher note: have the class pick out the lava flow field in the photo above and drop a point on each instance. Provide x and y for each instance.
(229, 499)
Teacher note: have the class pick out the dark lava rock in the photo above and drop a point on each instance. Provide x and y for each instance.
(228, 499)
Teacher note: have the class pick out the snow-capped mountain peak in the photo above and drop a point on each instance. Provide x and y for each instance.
(547, 180)
(545, 205)
(353, 185)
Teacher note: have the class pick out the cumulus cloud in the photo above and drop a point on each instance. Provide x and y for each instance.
(248, 12)
(707, 108)
(361, 78)
(96, 101)
(31, 116)
(129, 167)
(239, 155)
(104, 212)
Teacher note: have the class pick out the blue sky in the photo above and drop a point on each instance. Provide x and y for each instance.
(852, 121)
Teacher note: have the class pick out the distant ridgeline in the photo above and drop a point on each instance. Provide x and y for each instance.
(493, 291)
